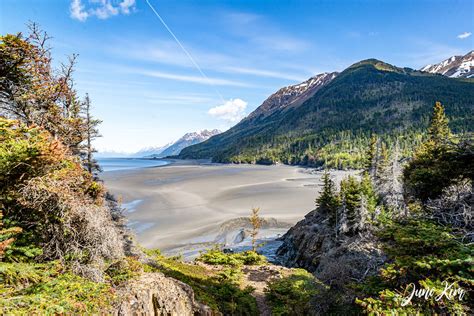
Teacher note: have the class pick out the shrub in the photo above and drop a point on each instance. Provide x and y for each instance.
(46, 192)
(425, 254)
(292, 295)
(124, 270)
(27, 288)
(217, 257)
(219, 290)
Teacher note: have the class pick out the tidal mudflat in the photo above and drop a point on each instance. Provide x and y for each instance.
(188, 205)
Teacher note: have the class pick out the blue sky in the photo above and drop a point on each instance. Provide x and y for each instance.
(148, 92)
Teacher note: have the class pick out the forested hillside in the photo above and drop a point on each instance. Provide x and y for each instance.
(397, 240)
(334, 126)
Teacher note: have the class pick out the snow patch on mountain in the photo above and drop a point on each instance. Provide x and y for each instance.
(454, 67)
(293, 95)
(188, 139)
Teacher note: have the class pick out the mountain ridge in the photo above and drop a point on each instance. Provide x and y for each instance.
(186, 140)
(457, 66)
(370, 96)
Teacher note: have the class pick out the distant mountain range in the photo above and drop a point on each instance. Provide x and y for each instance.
(337, 113)
(170, 149)
(187, 140)
(454, 67)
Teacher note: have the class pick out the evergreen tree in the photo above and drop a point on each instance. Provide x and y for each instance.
(371, 154)
(425, 176)
(439, 131)
(328, 200)
(350, 194)
(92, 133)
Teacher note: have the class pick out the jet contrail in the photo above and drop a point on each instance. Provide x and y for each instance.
(185, 51)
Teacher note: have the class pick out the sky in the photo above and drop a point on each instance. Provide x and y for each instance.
(216, 61)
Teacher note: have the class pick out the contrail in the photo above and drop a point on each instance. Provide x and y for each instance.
(185, 51)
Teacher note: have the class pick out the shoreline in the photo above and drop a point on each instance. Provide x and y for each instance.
(186, 202)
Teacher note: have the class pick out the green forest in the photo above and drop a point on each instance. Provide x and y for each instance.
(334, 126)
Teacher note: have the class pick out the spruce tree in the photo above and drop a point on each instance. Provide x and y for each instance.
(92, 133)
(327, 200)
(351, 194)
(439, 131)
(371, 156)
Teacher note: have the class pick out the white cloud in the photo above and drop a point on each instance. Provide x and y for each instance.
(102, 9)
(77, 11)
(126, 5)
(464, 35)
(232, 110)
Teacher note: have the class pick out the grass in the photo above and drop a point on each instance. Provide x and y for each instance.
(219, 289)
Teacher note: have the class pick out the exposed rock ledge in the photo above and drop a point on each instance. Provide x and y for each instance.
(312, 244)
(156, 294)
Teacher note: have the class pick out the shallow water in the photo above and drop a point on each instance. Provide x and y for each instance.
(115, 164)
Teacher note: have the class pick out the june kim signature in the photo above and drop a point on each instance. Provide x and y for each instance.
(450, 292)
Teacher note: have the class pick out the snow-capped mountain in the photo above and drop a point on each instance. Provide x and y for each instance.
(187, 140)
(454, 67)
(151, 151)
(293, 95)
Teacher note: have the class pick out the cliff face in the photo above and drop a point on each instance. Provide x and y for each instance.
(313, 245)
(156, 294)
(336, 261)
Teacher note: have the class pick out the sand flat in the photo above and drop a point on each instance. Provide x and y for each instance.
(176, 204)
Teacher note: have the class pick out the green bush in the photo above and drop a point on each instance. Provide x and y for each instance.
(292, 295)
(220, 290)
(216, 256)
(124, 270)
(424, 254)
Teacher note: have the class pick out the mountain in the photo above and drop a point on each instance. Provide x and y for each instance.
(187, 140)
(334, 124)
(293, 95)
(111, 154)
(454, 67)
(151, 151)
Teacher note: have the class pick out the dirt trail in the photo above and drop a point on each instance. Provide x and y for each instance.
(257, 277)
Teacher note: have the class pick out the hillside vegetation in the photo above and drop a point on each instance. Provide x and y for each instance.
(334, 126)
(398, 230)
(64, 247)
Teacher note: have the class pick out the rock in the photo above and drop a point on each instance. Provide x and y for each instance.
(240, 236)
(156, 294)
(311, 244)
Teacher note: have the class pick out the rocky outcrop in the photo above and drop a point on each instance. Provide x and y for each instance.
(156, 294)
(335, 260)
(312, 244)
